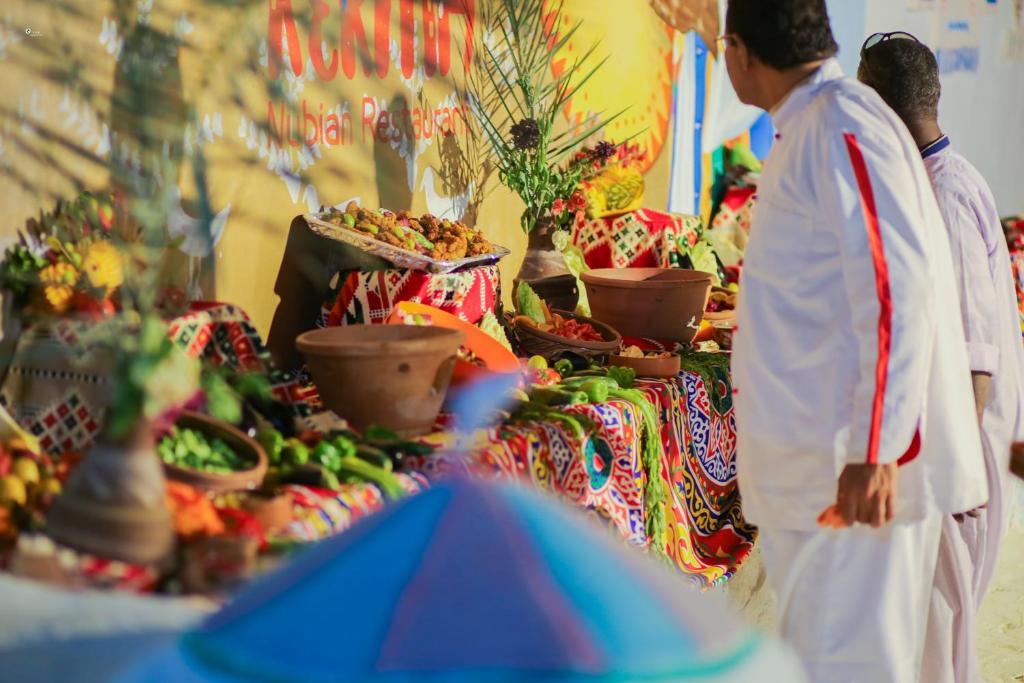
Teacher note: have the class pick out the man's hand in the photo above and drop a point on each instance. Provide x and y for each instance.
(867, 494)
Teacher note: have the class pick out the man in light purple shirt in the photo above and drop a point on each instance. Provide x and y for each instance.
(905, 73)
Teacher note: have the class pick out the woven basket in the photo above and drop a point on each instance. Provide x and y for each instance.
(536, 342)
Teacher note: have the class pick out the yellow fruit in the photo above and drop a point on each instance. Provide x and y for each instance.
(51, 486)
(26, 470)
(103, 265)
(12, 490)
(58, 282)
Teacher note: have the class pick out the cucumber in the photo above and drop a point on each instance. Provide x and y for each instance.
(386, 481)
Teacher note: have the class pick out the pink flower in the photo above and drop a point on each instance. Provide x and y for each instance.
(558, 207)
(577, 202)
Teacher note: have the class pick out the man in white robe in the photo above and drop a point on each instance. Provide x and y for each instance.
(853, 390)
(906, 75)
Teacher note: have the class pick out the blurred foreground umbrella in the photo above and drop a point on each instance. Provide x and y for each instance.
(471, 583)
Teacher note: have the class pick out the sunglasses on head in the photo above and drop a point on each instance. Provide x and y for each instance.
(878, 38)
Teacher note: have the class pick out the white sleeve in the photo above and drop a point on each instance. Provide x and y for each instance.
(871, 193)
(973, 279)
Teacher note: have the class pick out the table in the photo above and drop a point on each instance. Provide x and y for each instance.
(708, 537)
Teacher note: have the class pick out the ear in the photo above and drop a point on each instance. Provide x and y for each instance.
(743, 56)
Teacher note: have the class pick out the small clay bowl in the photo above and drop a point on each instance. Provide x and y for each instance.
(240, 443)
(721, 318)
(662, 368)
(273, 512)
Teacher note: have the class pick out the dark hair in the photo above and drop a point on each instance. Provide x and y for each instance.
(906, 74)
(782, 33)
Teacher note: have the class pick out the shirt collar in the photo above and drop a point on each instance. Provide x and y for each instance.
(794, 101)
(935, 147)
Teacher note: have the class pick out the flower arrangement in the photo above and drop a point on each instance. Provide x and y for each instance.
(67, 260)
(517, 107)
(92, 258)
(615, 163)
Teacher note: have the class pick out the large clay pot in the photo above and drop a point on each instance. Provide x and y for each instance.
(656, 303)
(115, 504)
(393, 376)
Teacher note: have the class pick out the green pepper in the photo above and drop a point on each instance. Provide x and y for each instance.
(564, 367)
(272, 442)
(554, 396)
(325, 453)
(387, 482)
(626, 377)
(295, 452)
(349, 219)
(374, 456)
(596, 391)
(345, 445)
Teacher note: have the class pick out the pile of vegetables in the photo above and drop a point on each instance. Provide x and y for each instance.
(533, 311)
(340, 457)
(194, 450)
(596, 384)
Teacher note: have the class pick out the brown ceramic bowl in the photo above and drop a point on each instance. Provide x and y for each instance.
(240, 443)
(662, 368)
(655, 303)
(273, 512)
(537, 342)
(393, 376)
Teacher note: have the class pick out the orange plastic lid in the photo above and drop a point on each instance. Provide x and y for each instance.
(494, 356)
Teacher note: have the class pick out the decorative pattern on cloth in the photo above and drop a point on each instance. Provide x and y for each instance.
(736, 209)
(56, 387)
(320, 513)
(67, 425)
(644, 238)
(1017, 264)
(708, 537)
(223, 335)
(370, 297)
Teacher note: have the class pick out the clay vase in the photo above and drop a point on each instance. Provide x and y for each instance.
(542, 260)
(114, 503)
(655, 303)
(393, 376)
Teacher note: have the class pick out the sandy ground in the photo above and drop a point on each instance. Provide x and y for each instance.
(1001, 622)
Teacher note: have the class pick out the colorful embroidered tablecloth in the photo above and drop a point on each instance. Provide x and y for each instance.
(644, 238)
(223, 335)
(708, 538)
(370, 297)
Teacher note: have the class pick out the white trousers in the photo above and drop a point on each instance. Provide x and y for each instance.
(951, 654)
(853, 603)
